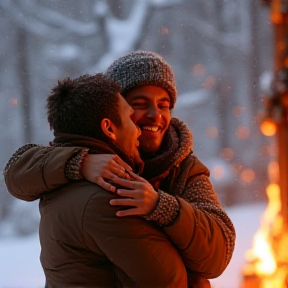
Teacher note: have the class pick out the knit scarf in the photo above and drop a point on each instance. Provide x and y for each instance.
(177, 144)
(96, 146)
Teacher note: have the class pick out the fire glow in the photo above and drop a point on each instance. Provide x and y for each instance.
(267, 259)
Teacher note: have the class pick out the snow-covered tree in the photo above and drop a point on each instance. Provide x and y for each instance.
(217, 48)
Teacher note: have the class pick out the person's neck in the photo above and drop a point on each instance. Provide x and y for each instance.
(146, 156)
(97, 146)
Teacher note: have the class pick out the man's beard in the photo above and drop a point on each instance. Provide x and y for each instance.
(148, 152)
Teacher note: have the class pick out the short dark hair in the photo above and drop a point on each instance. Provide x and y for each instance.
(77, 106)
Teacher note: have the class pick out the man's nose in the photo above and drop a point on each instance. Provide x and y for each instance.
(154, 112)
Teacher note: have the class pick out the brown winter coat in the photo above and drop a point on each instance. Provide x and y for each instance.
(84, 243)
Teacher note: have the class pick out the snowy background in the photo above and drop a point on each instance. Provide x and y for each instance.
(222, 55)
(220, 51)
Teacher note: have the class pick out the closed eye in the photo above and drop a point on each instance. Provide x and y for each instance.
(164, 105)
(138, 104)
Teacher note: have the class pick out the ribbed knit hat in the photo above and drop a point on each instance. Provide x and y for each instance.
(143, 68)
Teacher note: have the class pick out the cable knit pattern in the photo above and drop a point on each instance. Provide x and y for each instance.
(73, 165)
(167, 210)
(17, 154)
(143, 68)
(185, 138)
(201, 193)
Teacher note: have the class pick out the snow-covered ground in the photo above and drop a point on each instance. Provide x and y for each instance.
(20, 266)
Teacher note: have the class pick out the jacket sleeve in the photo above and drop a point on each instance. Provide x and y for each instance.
(195, 222)
(203, 232)
(33, 170)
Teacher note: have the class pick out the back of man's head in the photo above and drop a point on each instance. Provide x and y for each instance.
(77, 106)
(143, 68)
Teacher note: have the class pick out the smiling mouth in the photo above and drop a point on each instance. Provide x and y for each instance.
(152, 129)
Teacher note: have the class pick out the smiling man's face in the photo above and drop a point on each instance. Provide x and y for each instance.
(151, 105)
(127, 133)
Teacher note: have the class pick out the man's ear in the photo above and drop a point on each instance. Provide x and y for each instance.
(108, 128)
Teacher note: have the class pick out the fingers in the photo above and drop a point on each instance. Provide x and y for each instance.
(136, 177)
(107, 175)
(128, 212)
(127, 193)
(103, 165)
(114, 171)
(137, 207)
(124, 183)
(124, 202)
(105, 185)
(110, 187)
(142, 199)
(120, 172)
(121, 163)
(136, 210)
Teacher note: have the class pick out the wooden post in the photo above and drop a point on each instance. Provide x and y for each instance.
(279, 18)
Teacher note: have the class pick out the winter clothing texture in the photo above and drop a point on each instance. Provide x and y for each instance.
(72, 140)
(84, 243)
(143, 68)
(194, 222)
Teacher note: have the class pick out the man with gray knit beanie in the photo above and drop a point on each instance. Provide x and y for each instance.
(143, 68)
(187, 211)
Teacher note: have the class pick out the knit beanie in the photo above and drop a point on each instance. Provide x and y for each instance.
(143, 68)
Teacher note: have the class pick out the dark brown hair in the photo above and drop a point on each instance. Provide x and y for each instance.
(77, 106)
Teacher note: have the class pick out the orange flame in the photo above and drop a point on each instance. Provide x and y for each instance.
(263, 259)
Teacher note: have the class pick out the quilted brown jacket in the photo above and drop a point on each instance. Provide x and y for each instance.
(84, 243)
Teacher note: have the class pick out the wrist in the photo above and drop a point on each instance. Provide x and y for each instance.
(155, 206)
(166, 210)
